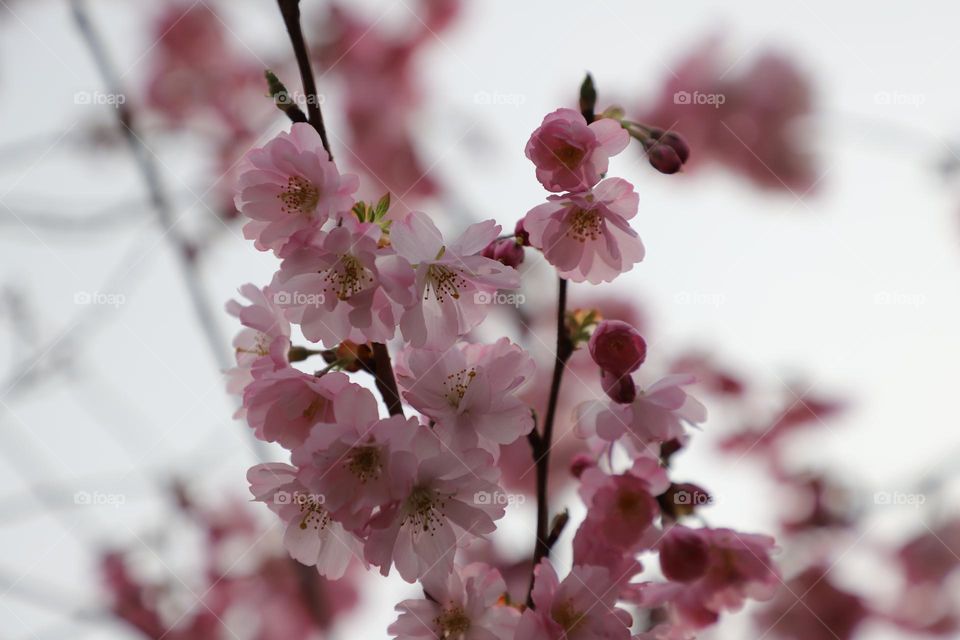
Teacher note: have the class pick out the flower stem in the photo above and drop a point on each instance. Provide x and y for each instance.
(386, 382)
(542, 443)
(290, 9)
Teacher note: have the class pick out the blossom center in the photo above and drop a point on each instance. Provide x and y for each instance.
(317, 407)
(444, 282)
(300, 196)
(260, 346)
(425, 509)
(585, 224)
(567, 616)
(313, 514)
(364, 462)
(456, 385)
(452, 622)
(347, 277)
(570, 156)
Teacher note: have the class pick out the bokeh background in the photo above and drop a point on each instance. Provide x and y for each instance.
(810, 253)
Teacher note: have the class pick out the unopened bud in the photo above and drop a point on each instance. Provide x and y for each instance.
(664, 158)
(684, 555)
(620, 389)
(505, 251)
(617, 347)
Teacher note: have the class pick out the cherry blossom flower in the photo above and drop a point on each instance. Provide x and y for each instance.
(586, 235)
(282, 406)
(348, 462)
(311, 536)
(470, 391)
(749, 123)
(811, 607)
(332, 286)
(464, 606)
(571, 155)
(582, 607)
(264, 342)
(289, 187)
(711, 571)
(621, 510)
(454, 286)
(656, 415)
(442, 501)
(932, 556)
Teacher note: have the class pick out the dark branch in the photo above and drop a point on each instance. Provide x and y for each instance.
(290, 9)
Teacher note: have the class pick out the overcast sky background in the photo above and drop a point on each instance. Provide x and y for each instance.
(137, 394)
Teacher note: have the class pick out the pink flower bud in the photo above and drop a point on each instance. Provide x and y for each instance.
(523, 238)
(676, 142)
(580, 463)
(684, 555)
(505, 251)
(617, 348)
(664, 158)
(620, 389)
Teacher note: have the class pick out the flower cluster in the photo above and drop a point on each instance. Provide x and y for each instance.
(582, 229)
(412, 493)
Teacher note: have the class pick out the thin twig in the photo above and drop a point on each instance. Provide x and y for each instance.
(290, 9)
(185, 250)
(381, 369)
(386, 382)
(542, 443)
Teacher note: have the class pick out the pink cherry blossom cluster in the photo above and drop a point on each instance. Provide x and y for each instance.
(415, 493)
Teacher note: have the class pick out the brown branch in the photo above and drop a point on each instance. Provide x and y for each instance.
(381, 367)
(290, 9)
(386, 382)
(542, 443)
